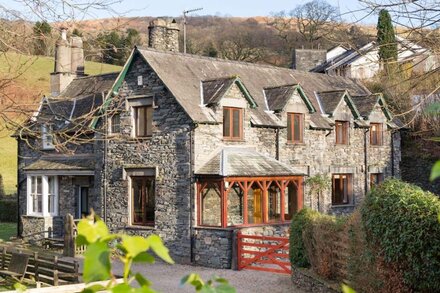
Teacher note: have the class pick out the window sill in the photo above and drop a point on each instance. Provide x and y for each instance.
(139, 227)
(376, 145)
(233, 140)
(39, 216)
(295, 143)
(348, 205)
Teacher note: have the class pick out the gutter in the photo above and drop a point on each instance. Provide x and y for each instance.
(18, 187)
(277, 147)
(392, 153)
(366, 161)
(105, 165)
(191, 194)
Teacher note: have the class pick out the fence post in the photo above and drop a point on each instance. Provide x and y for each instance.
(69, 237)
(37, 278)
(4, 258)
(55, 270)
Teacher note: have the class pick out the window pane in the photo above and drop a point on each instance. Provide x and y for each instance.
(290, 201)
(143, 200)
(116, 123)
(236, 123)
(297, 127)
(211, 205)
(150, 200)
(137, 201)
(39, 185)
(289, 127)
(255, 205)
(235, 205)
(274, 202)
(149, 121)
(342, 190)
(84, 200)
(226, 123)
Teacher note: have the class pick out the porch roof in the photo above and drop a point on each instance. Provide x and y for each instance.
(63, 163)
(236, 161)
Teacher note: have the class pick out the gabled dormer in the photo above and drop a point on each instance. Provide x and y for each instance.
(230, 96)
(286, 98)
(335, 104)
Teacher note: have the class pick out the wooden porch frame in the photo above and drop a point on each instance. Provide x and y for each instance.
(245, 183)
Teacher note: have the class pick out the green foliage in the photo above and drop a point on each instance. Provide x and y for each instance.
(8, 211)
(132, 249)
(215, 285)
(116, 47)
(435, 172)
(2, 187)
(42, 32)
(297, 250)
(402, 220)
(8, 230)
(386, 38)
(76, 32)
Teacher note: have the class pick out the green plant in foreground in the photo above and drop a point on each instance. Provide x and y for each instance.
(94, 233)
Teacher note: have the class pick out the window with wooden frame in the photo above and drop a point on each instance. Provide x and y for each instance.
(115, 123)
(375, 179)
(142, 201)
(375, 133)
(341, 132)
(143, 117)
(295, 127)
(232, 123)
(342, 189)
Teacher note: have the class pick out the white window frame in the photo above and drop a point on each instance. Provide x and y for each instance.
(47, 138)
(45, 196)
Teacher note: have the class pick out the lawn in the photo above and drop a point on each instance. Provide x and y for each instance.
(7, 230)
(34, 72)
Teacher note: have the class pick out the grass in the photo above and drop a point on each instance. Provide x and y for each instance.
(7, 230)
(30, 72)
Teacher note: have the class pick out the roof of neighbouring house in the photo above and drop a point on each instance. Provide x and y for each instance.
(241, 161)
(58, 162)
(80, 98)
(183, 75)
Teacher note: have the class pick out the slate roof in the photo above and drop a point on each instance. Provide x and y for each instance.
(330, 100)
(81, 97)
(183, 73)
(277, 97)
(365, 104)
(236, 161)
(63, 163)
(215, 89)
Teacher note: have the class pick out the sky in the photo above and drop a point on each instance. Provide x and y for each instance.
(351, 10)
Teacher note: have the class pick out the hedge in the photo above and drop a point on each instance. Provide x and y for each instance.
(297, 250)
(402, 220)
(8, 210)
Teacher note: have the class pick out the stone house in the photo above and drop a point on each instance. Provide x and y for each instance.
(192, 148)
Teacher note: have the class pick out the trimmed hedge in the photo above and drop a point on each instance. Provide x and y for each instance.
(402, 220)
(8, 210)
(297, 250)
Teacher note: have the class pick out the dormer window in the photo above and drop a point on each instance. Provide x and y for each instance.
(47, 137)
(232, 123)
(376, 133)
(295, 127)
(341, 131)
(143, 117)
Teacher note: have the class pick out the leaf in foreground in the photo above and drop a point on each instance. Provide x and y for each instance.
(435, 172)
(97, 262)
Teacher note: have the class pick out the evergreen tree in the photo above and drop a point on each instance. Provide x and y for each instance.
(112, 48)
(76, 32)
(42, 34)
(2, 187)
(386, 38)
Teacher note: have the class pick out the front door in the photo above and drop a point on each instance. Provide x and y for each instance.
(82, 201)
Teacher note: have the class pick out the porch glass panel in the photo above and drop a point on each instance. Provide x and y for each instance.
(235, 205)
(211, 205)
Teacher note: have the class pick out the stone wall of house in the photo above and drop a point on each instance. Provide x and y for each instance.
(167, 152)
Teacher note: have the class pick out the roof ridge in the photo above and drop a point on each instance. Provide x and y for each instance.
(97, 75)
(278, 86)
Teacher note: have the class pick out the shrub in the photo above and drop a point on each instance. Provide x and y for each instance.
(402, 220)
(8, 211)
(297, 252)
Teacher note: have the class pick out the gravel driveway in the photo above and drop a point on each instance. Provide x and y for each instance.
(166, 278)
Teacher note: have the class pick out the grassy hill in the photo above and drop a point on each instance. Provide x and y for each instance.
(32, 80)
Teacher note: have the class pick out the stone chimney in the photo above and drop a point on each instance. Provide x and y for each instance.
(307, 59)
(163, 34)
(69, 62)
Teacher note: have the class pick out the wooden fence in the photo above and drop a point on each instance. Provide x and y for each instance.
(70, 234)
(44, 268)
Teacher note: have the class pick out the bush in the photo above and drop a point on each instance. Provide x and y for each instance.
(297, 251)
(402, 220)
(8, 211)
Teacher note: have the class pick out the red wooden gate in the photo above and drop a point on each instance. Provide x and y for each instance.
(263, 253)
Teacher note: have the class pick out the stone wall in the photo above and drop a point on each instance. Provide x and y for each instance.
(307, 59)
(167, 152)
(163, 34)
(213, 247)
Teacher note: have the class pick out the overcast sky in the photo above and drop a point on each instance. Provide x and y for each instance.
(351, 10)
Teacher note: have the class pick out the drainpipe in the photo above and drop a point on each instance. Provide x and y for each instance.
(366, 160)
(392, 153)
(277, 151)
(191, 194)
(105, 165)
(18, 187)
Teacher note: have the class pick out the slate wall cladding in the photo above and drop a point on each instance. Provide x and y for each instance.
(213, 247)
(167, 151)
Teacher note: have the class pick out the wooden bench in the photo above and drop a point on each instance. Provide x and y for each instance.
(47, 269)
(17, 266)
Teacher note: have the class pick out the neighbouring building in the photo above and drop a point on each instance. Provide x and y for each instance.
(192, 148)
(363, 62)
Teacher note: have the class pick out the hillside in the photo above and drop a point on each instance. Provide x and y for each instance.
(31, 83)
